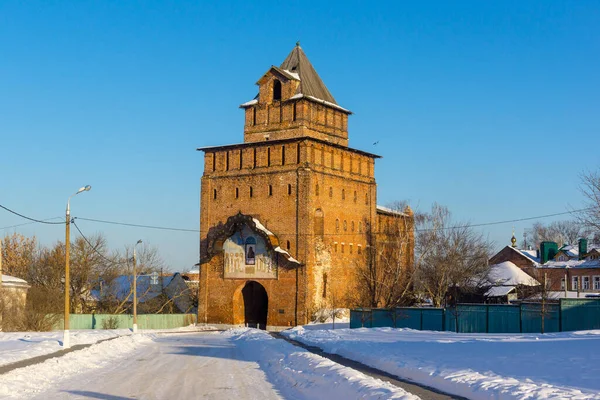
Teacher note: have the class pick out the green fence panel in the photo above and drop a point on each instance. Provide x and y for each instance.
(360, 318)
(125, 321)
(471, 318)
(580, 314)
(408, 317)
(531, 318)
(433, 319)
(504, 319)
(383, 318)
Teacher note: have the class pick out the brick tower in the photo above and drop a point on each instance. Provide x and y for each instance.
(285, 215)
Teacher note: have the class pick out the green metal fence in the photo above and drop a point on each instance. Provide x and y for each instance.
(568, 315)
(124, 321)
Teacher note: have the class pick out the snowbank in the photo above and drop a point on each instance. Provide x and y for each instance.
(477, 366)
(28, 381)
(299, 374)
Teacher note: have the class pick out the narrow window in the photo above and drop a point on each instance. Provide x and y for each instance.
(342, 248)
(335, 247)
(359, 227)
(586, 283)
(269, 156)
(330, 191)
(359, 249)
(366, 198)
(562, 284)
(214, 194)
(214, 161)
(237, 193)
(574, 283)
(324, 295)
(337, 225)
(241, 158)
(596, 283)
(352, 226)
(343, 194)
(254, 162)
(355, 196)
(350, 248)
(288, 244)
(282, 155)
(253, 115)
(294, 112)
(345, 226)
(251, 191)
(270, 190)
(276, 90)
(317, 190)
(227, 161)
(298, 154)
(289, 189)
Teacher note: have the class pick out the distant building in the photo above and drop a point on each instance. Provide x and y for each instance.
(287, 215)
(570, 268)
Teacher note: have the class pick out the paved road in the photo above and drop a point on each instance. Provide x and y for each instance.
(187, 366)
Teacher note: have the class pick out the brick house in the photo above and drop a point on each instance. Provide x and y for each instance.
(569, 271)
(287, 215)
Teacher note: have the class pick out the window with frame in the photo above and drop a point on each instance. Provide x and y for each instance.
(574, 283)
(562, 284)
(237, 193)
(359, 249)
(586, 283)
(596, 282)
(337, 225)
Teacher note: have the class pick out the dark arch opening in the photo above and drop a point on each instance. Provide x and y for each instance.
(276, 90)
(256, 305)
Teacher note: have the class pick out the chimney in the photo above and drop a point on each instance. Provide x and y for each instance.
(547, 251)
(582, 248)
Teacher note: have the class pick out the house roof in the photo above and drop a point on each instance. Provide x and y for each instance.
(508, 274)
(14, 281)
(120, 288)
(530, 254)
(498, 291)
(310, 82)
(386, 210)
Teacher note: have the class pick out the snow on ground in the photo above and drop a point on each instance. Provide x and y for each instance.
(239, 363)
(28, 381)
(299, 374)
(477, 366)
(17, 346)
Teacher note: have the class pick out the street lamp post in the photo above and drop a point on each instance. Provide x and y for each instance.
(66, 341)
(135, 290)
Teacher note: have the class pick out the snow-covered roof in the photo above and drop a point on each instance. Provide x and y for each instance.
(497, 291)
(120, 288)
(572, 264)
(570, 250)
(13, 281)
(530, 254)
(270, 234)
(508, 274)
(327, 103)
(292, 74)
(249, 103)
(391, 211)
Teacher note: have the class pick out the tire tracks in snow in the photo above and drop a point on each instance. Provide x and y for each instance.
(424, 392)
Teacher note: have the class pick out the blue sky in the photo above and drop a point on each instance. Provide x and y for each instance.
(490, 108)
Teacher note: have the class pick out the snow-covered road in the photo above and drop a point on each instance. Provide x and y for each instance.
(184, 366)
(239, 363)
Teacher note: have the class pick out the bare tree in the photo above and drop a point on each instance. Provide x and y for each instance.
(561, 232)
(450, 257)
(590, 188)
(385, 275)
(18, 253)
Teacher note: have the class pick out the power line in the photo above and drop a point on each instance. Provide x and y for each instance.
(507, 221)
(28, 223)
(94, 248)
(138, 226)
(41, 221)
(350, 233)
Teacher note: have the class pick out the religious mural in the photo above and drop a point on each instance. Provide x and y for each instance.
(246, 256)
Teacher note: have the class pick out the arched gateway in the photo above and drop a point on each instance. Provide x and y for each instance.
(256, 305)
